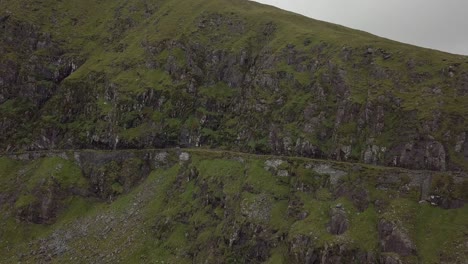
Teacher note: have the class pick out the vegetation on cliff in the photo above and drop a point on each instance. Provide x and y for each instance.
(224, 74)
(223, 207)
(96, 95)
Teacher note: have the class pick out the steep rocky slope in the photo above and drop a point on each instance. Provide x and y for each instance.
(227, 74)
(125, 128)
(196, 206)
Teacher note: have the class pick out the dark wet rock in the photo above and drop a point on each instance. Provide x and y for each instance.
(426, 185)
(445, 202)
(251, 239)
(387, 56)
(295, 208)
(357, 194)
(460, 145)
(111, 170)
(43, 208)
(4, 18)
(453, 203)
(373, 154)
(339, 222)
(421, 155)
(301, 248)
(434, 200)
(306, 149)
(395, 239)
(381, 205)
(343, 254)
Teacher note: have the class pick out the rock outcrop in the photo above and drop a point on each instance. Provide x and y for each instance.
(203, 205)
(339, 222)
(302, 96)
(123, 123)
(394, 239)
(422, 155)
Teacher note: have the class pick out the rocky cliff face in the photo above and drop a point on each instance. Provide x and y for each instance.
(185, 206)
(150, 74)
(108, 109)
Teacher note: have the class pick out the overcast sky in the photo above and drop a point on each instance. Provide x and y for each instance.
(436, 24)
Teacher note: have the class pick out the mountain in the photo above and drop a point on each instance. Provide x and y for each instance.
(126, 128)
(224, 74)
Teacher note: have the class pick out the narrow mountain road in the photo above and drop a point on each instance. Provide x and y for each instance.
(40, 153)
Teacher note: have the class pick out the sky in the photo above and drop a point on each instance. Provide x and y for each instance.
(435, 24)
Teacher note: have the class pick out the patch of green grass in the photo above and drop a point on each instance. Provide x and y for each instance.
(78, 207)
(220, 92)
(278, 255)
(64, 172)
(263, 181)
(8, 173)
(25, 201)
(439, 232)
(323, 194)
(363, 229)
(315, 225)
(166, 179)
(401, 210)
(279, 216)
(135, 133)
(230, 171)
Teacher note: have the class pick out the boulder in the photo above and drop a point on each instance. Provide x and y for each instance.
(184, 156)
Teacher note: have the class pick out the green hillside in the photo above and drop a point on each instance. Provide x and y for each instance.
(224, 131)
(224, 74)
(224, 207)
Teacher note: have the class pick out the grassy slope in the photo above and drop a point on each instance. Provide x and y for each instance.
(178, 18)
(90, 30)
(96, 31)
(174, 216)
